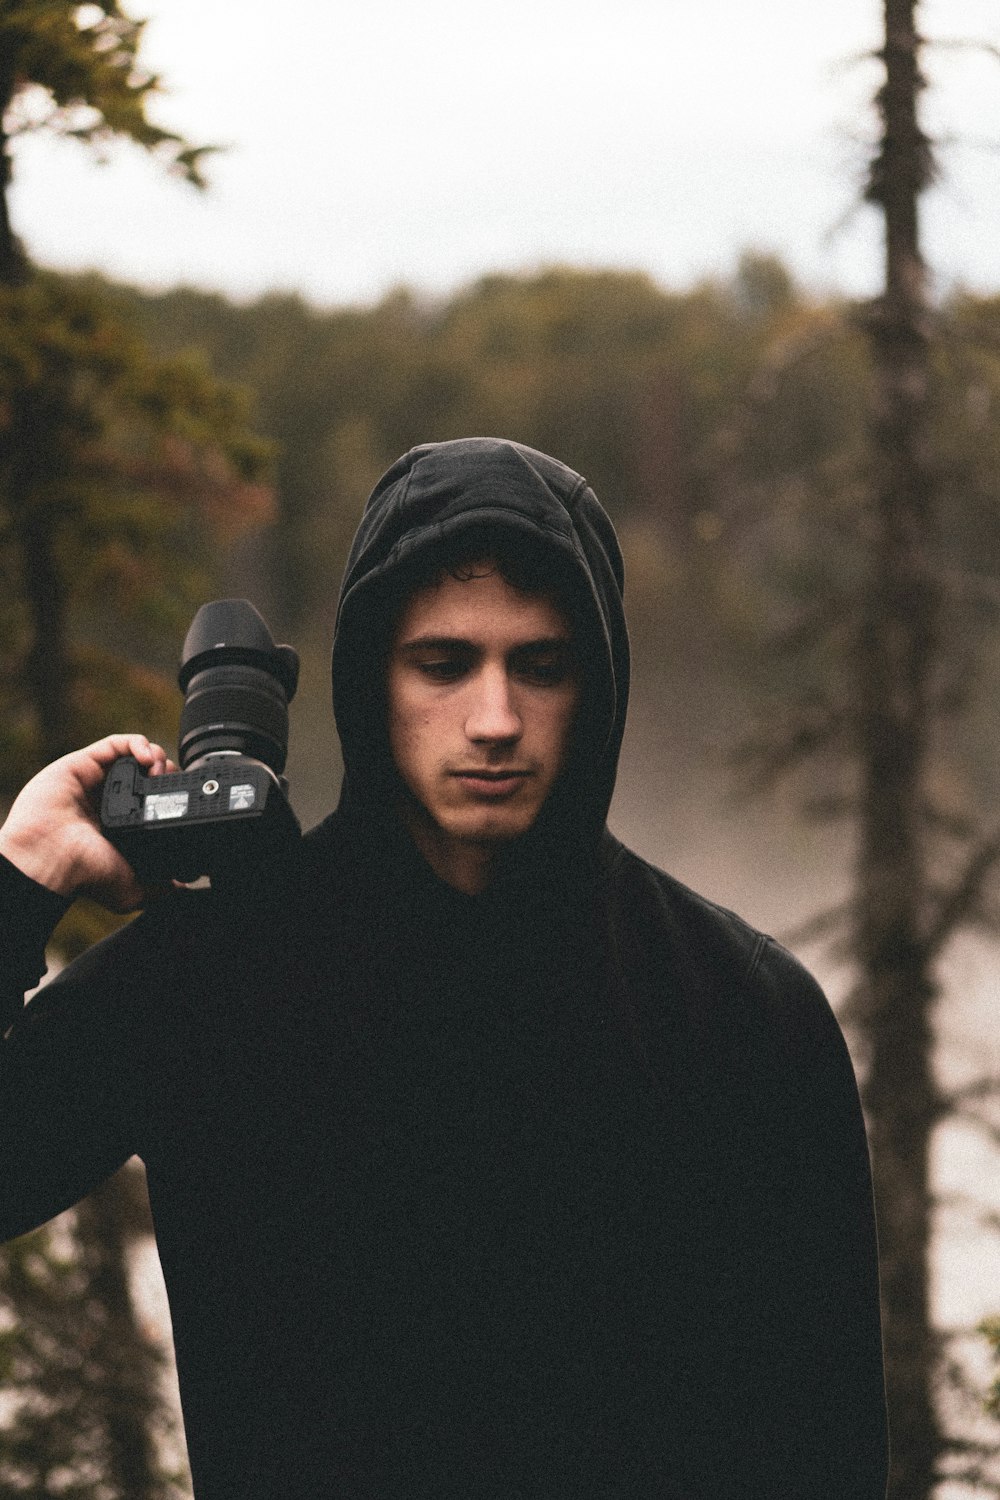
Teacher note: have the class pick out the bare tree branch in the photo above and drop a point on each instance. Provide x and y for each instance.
(964, 44)
(956, 906)
(823, 925)
(804, 729)
(986, 1087)
(988, 144)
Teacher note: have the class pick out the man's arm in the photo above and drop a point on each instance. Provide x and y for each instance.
(740, 1033)
(820, 1310)
(59, 1115)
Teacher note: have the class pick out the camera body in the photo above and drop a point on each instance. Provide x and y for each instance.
(226, 810)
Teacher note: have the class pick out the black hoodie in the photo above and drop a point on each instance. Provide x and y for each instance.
(557, 1191)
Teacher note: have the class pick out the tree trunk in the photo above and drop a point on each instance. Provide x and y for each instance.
(13, 263)
(897, 650)
(48, 670)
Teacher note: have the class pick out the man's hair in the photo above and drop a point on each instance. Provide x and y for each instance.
(526, 565)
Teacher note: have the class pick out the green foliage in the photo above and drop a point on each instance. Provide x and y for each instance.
(119, 473)
(74, 68)
(620, 378)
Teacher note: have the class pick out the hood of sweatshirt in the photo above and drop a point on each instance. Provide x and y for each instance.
(484, 491)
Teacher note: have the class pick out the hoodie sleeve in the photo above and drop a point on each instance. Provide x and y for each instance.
(767, 1121)
(30, 915)
(823, 1423)
(65, 1068)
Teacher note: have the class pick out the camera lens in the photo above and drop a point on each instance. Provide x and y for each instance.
(237, 686)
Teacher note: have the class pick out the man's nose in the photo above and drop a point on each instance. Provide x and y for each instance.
(492, 712)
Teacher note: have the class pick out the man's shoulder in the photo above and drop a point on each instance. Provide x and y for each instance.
(727, 972)
(660, 908)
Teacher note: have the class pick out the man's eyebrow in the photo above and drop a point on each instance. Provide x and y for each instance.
(546, 643)
(438, 643)
(462, 643)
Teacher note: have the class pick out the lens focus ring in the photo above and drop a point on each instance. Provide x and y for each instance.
(239, 708)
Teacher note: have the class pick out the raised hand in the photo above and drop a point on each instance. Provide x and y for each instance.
(52, 831)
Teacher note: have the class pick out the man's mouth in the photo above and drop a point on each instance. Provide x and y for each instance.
(490, 781)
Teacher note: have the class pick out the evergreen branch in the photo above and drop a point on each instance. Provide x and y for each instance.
(88, 77)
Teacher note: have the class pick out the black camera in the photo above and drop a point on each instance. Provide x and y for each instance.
(227, 808)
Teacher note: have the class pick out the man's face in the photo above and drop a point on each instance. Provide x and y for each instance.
(482, 693)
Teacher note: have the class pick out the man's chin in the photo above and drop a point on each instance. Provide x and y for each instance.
(481, 828)
(489, 831)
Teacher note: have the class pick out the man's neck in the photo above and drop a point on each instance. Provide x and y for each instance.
(466, 865)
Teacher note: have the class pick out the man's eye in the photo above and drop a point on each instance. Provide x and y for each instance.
(446, 670)
(544, 671)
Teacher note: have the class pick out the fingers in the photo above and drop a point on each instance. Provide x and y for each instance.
(96, 759)
(53, 834)
(113, 746)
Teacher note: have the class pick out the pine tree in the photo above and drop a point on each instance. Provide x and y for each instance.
(118, 474)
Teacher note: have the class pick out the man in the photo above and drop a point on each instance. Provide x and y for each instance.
(485, 1159)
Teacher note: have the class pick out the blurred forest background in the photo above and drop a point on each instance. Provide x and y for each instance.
(807, 491)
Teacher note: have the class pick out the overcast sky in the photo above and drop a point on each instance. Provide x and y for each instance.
(427, 141)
